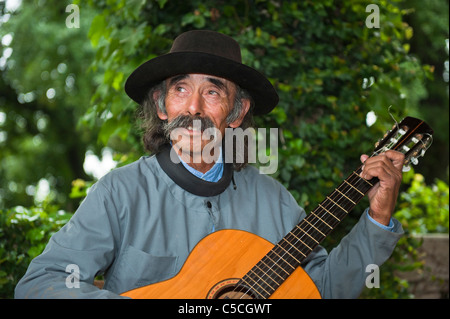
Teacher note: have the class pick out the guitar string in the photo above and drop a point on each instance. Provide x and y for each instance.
(397, 146)
(288, 260)
(317, 220)
(309, 228)
(284, 257)
(359, 180)
(350, 204)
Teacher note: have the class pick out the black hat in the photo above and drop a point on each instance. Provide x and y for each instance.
(204, 52)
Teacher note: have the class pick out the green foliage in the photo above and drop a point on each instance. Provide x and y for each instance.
(421, 209)
(44, 89)
(430, 44)
(80, 188)
(319, 55)
(24, 232)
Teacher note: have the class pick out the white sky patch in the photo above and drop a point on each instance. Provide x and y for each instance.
(99, 167)
(371, 118)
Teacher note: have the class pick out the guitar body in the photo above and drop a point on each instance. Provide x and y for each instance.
(216, 263)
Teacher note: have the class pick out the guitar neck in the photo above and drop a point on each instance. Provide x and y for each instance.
(412, 137)
(271, 271)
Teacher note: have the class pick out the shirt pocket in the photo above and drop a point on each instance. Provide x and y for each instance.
(137, 268)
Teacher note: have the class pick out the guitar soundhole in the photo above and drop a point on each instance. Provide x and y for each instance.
(227, 289)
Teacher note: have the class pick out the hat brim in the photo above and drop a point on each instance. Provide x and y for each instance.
(160, 68)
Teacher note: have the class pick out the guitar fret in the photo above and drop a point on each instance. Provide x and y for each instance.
(363, 179)
(256, 282)
(345, 196)
(314, 227)
(275, 263)
(329, 212)
(301, 242)
(354, 187)
(293, 246)
(273, 271)
(304, 238)
(289, 254)
(342, 201)
(272, 267)
(250, 286)
(337, 204)
(322, 220)
(283, 259)
(307, 233)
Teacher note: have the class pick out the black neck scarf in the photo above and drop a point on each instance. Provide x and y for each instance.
(186, 180)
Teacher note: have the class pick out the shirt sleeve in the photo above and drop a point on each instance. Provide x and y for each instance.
(342, 272)
(389, 227)
(68, 265)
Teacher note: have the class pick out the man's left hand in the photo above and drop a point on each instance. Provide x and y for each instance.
(387, 167)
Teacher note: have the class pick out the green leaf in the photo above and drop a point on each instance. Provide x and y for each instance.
(98, 30)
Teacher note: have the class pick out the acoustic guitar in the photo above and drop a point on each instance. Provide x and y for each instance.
(239, 265)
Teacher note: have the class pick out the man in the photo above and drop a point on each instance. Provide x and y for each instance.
(139, 223)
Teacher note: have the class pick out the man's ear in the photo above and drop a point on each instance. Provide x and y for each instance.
(245, 108)
(162, 115)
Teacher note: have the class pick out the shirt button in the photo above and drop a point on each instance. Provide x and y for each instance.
(208, 204)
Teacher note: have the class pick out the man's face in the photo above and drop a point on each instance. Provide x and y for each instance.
(199, 96)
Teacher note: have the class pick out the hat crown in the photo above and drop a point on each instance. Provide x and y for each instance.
(209, 42)
(204, 52)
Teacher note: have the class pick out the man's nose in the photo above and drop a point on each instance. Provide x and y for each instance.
(195, 106)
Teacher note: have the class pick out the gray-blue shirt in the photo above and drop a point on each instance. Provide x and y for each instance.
(137, 226)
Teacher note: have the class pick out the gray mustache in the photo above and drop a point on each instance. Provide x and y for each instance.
(184, 121)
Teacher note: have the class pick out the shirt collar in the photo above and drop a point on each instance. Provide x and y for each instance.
(213, 175)
(184, 179)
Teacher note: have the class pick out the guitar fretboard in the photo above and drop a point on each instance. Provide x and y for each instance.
(272, 270)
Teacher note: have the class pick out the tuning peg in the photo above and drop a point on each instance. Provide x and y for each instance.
(377, 143)
(422, 152)
(406, 169)
(414, 160)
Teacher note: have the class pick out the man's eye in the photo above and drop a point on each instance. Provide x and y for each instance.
(213, 92)
(181, 89)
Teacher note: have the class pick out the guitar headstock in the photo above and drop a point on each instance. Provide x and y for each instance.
(411, 137)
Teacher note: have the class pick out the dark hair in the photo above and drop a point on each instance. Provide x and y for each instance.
(154, 136)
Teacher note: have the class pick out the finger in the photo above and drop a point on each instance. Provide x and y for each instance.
(396, 158)
(380, 171)
(363, 158)
(390, 158)
(378, 166)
